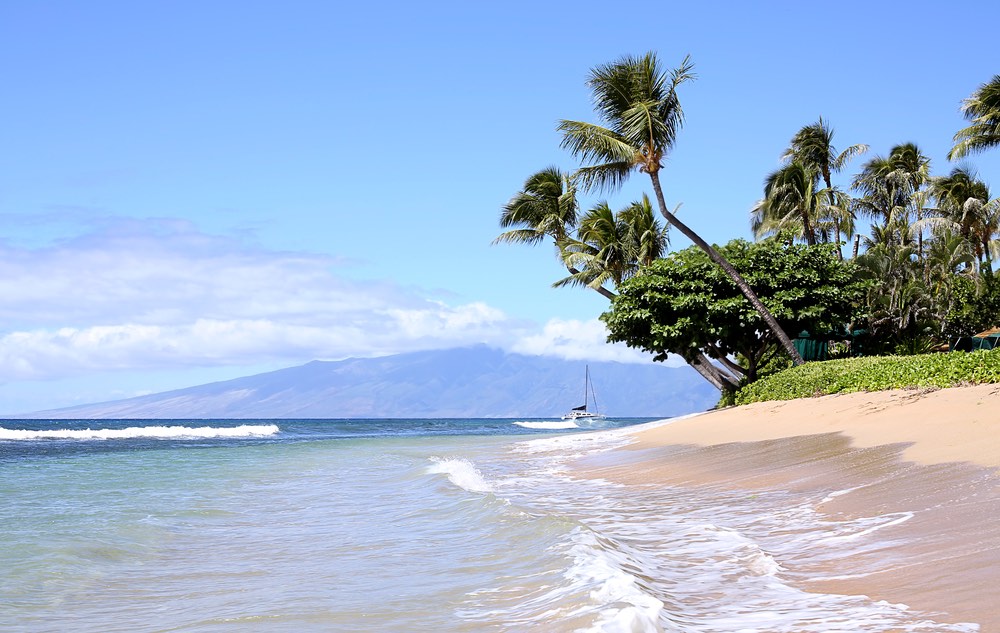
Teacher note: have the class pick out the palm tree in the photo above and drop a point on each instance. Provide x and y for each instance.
(893, 186)
(949, 257)
(983, 110)
(965, 205)
(614, 246)
(789, 201)
(813, 147)
(638, 101)
(793, 203)
(897, 297)
(545, 207)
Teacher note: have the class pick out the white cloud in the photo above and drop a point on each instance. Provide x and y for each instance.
(581, 340)
(160, 295)
(144, 295)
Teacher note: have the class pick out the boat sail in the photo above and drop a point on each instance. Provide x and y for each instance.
(583, 411)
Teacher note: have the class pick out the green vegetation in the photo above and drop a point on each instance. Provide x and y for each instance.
(684, 303)
(921, 276)
(875, 373)
(637, 101)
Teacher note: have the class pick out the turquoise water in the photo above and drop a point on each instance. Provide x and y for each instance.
(392, 525)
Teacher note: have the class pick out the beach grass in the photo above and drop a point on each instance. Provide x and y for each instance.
(875, 373)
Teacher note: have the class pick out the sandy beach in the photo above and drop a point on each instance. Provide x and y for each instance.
(929, 457)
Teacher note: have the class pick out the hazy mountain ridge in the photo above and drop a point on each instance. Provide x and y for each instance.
(464, 382)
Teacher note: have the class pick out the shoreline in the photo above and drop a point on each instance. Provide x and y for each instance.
(926, 460)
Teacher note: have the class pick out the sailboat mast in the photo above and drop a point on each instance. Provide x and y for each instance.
(586, 387)
(593, 393)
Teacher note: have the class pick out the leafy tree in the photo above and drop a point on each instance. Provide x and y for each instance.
(638, 102)
(684, 304)
(983, 110)
(975, 306)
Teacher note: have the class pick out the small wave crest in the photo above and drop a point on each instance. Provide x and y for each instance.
(549, 426)
(624, 604)
(462, 473)
(144, 432)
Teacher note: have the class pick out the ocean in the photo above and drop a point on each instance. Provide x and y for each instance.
(401, 525)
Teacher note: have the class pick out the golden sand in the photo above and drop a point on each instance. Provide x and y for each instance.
(939, 426)
(932, 453)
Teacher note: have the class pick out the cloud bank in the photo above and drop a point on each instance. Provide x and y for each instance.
(154, 294)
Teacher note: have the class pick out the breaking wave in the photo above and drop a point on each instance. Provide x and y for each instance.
(145, 432)
(549, 426)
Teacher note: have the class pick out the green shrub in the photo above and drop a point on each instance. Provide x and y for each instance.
(875, 373)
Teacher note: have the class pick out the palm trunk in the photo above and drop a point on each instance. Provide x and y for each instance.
(833, 201)
(807, 227)
(601, 290)
(728, 268)
(723, 381)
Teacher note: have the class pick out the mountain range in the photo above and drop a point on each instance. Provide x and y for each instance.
(475, 382)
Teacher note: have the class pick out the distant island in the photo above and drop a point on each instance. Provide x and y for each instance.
(474, 382)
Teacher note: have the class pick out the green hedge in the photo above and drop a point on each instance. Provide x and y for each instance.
(875, 373)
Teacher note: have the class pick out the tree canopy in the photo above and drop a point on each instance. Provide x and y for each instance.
(684, 304)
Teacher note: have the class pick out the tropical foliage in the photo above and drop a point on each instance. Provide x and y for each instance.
(930, 247)
(928, 371)
(922, 247)
(603, 247)
(982, 109)
(683, 304)
(793, 198)
(636, 100)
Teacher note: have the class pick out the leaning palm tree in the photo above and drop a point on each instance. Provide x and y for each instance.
(614, 246)
(637, 99)
(601, 253)
(545, 207)
(813, 147)
(983, 110)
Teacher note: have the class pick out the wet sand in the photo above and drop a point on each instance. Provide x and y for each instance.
(932, 458)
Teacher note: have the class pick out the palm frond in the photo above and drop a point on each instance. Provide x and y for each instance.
(519, 236)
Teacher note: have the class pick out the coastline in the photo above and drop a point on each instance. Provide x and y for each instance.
(928, 461)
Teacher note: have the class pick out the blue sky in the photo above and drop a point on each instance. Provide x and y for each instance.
(193, 191)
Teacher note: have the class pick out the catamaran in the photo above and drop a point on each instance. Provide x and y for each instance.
(581, 412)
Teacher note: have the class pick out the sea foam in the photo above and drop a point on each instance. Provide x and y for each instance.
(146, 432)
(549, 426)
(462, 473)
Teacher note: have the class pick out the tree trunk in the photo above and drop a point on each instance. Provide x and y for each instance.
(807, 228)
(721, 380)
(601, 290)
(833, 201)
(715, 376)
(728, 268)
